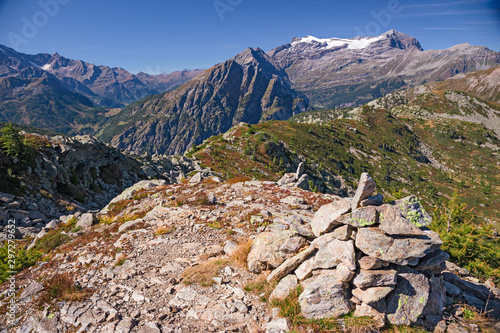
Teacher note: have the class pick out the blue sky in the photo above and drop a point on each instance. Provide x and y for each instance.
(163, 35)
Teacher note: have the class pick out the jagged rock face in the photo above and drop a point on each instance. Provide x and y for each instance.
(351, 72)
(247, 88)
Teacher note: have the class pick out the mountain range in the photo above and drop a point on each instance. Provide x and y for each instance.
(67, 95)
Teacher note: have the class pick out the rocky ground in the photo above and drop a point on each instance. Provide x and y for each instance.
(173, 258)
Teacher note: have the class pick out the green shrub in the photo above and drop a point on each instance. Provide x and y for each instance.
(23, 259)
(470, 243)
(15, 145)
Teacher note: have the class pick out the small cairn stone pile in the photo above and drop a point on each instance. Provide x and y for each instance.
(378, 260)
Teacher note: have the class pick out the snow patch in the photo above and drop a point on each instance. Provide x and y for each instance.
(46, 67)
(352, 44)
(2, 50)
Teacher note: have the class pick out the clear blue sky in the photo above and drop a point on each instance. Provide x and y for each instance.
(165, 35)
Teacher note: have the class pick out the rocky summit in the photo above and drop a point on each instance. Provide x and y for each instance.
(204, 256)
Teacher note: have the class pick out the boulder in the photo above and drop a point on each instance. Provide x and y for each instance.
(324, 297)
(375, 278)
(6, 197)
(325, 218)
(288, 179)
(476, 289)
(437, 297)
(300, 170)
(87, 220)
(303, 182)
(433, 263)
(279, 325)
(344, 274)
(407, 302)
(334, 253)
(366, 187)
(284, 287)
(265, 251)
(396, 250)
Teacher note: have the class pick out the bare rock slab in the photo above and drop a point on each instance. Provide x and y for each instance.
(365, 190)
(284, 288)
(324, 297)
(325, 218)
(401, 251)
(375, 278)
(265, 252)
(407, 302)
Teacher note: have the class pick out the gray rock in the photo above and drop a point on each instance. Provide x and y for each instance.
(293, 245)
(344, 274)
(36, 215)
(376, 311)
(277, 326)
(375, 278)
(287, 179)
(33, 288)
(452, 290)
(396, 250)
(212, 199)
(53, 224)
(334, 253)
(324, 297)
(437, 297)
(305, 269)
(476, 289)
(129, 225)
(376, 200)
(6, 197)
(366, 187)
(230, 247)
(325, 218)
(407, 302)
(293, 200)
(368, 262)
(149, 327)
(433, 263)
(435, 323)
(125, 325)
(392, 222)
(342, 233)
(303, 183)
(87, 220)
(372, 295)
(290, 265)
(300, 170)
(303, 229)
(197, 178)
(265, 251)
(284, 287)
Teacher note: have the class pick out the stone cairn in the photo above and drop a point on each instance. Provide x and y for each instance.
(378, 260)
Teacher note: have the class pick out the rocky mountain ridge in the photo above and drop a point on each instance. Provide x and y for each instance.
(103, 85)
(351, 72)
(247, 88)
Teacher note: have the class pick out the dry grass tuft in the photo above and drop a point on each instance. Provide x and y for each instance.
(204, 272)
(163, 230)
(240, 255)
(62, 287)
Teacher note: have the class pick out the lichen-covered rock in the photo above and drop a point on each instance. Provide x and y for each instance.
(392, 222)
(324, 297)
(265, 252)
(325, 218)
(362, 217)
(407, 302)
(396, 250)
(412, 210)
